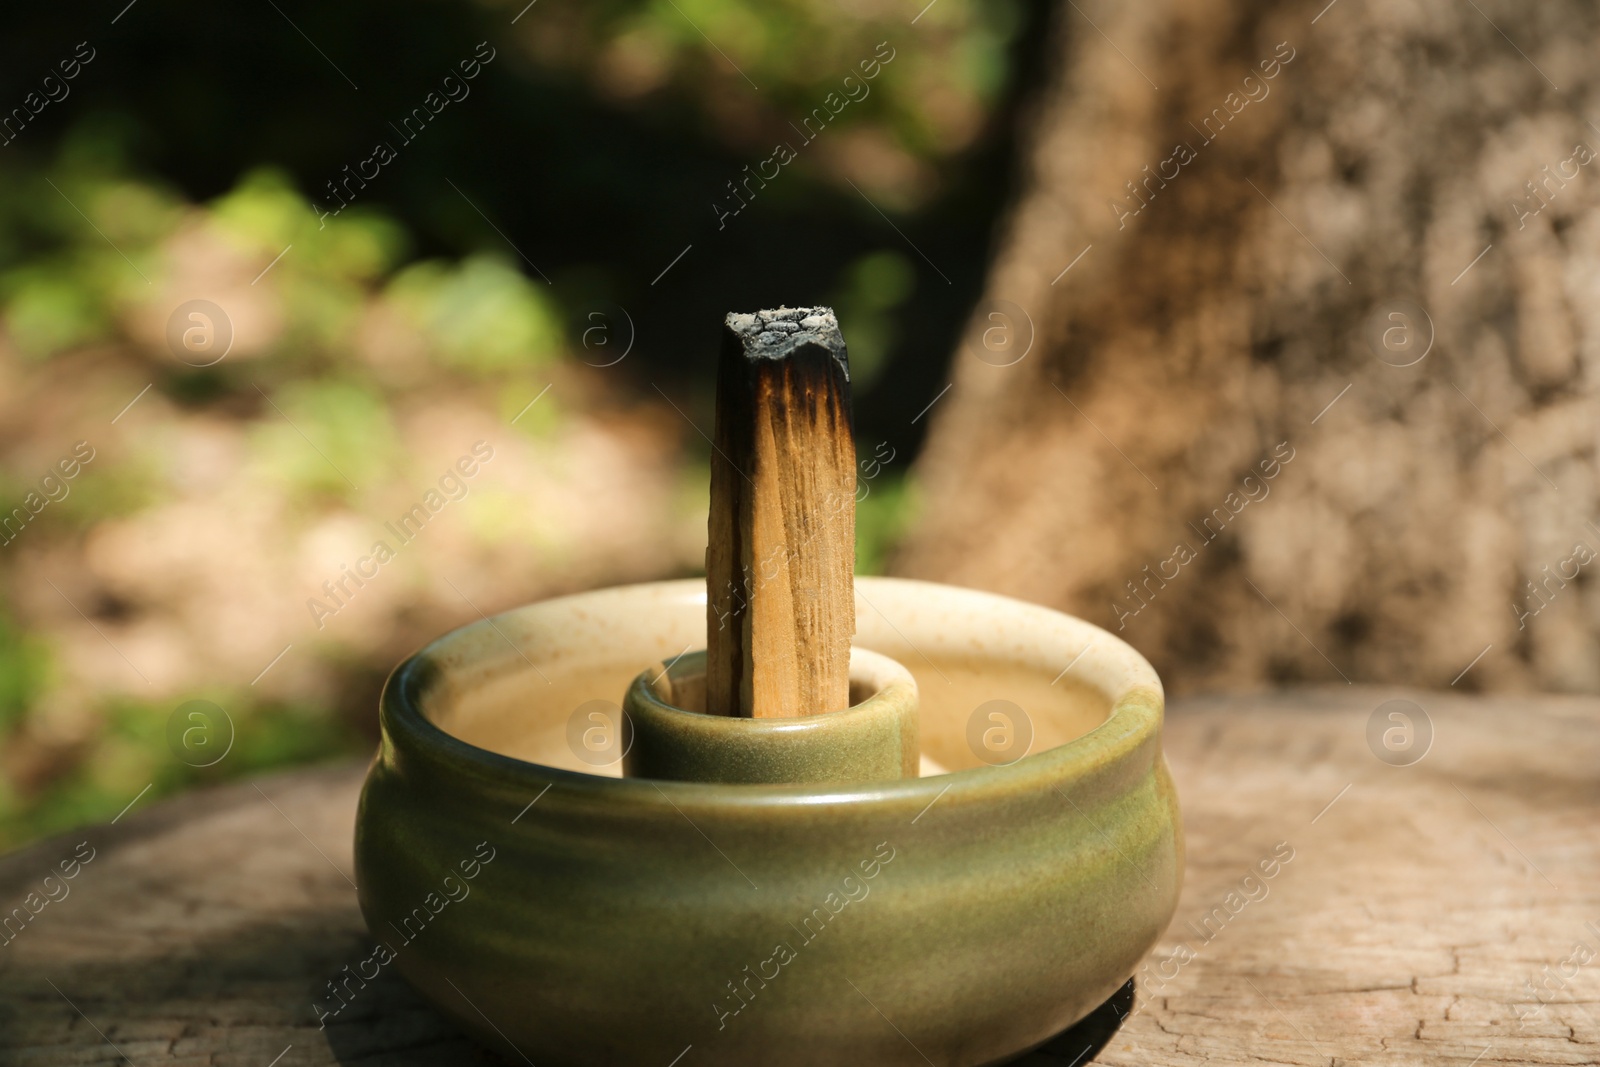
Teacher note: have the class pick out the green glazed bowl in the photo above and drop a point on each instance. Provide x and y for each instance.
(571, 918)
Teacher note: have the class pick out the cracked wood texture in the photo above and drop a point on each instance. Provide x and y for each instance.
(1254, 187)
(1438, 913)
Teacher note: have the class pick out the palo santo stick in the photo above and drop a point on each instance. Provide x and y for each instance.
(780, 563)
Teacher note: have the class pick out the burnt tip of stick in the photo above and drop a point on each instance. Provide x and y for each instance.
(794, 358)
(778, 333)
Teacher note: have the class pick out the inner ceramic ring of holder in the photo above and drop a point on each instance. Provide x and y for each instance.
(873, 740)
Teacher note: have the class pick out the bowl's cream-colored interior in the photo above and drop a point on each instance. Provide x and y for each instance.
(511, 686)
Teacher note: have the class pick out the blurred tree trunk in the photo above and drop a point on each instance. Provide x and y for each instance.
(1257, 202)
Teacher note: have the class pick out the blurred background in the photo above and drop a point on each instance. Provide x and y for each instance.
(1184, 297)
(502, 279)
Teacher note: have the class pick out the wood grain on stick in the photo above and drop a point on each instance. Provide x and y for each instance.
(780, 561)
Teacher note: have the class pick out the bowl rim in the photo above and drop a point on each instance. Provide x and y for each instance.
(1131, 730)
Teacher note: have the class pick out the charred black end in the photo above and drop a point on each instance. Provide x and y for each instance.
(795, 357)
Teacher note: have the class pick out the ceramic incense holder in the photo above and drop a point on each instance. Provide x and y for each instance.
(874, 740)
(570, 917)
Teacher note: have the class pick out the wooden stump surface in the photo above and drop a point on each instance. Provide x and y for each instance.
(1445, 912)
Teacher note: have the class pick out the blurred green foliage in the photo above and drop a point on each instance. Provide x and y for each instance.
(952, 64)
(24, 667)
(882, 518)
(875, 286)
(72, 280)
(483, 316)
(131, 752)
(635, 110)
